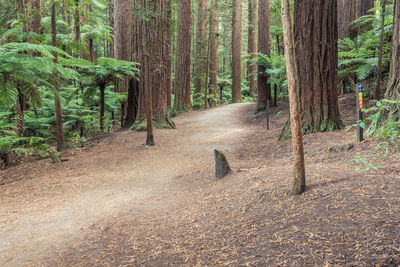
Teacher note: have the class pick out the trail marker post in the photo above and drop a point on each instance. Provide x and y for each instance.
(267, 109)
(360, 106)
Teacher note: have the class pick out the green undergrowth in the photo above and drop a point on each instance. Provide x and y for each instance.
(141, 124)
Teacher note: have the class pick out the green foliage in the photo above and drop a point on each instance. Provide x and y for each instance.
(358, 57)
(389, 135)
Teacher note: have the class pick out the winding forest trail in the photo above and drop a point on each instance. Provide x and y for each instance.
(119, 203)
(53, 205)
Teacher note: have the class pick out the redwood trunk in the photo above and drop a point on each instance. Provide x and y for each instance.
(182, 61)
(59, 126)
(236, 51)
(315, 36)
(200, 47)
(213, 49)
(252, 46)
(264, 88)
(377, 94)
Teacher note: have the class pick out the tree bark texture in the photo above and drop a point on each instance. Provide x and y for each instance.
(237, 51)
(111, 24)
(182, 59)
(157, 22)
(299, 181)
(213, 49)
(200, 52)
(264, 20)
(315, 36)
(59, 124)
(377, 93)
(252, 46)
(348, 11)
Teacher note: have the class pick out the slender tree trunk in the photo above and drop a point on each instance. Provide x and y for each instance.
(252, 46)
(77, 27)
(111, 24)
(59, 125)
(213, 49)
(102, 87)
(146, 82)
(377, 94)
(236, 51)
(182, 61)
(299, 181)
(19, 109)
(264, 88)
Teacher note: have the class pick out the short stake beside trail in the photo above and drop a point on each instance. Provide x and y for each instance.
(360, 106)
(267, 109)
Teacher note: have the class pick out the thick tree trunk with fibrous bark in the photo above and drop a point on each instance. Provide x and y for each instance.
(157, 22)
(122, 51)
(237, 51)
(252, 46)
(182, 61)
(59, 124)
(315, 35)
(299, 181)
(264, 88)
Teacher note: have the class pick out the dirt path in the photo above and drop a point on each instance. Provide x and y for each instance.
(118, 203)
(53, 205)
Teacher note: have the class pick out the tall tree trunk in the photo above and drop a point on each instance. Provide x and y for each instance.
(237, 51)
(168, 49)
(365, 6)
(77, 27)
(36, 16)
(213, 49)
(59, 125)
(146, 41)
(111, 24)
(157, 24)
(377, 94)
(252, 46)
(299, 181)
(182, 59)
(348, 11)
(122, 46)
(315, 35)
(200, 47)
(264, 88)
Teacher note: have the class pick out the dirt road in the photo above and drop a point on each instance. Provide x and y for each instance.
(54, 204)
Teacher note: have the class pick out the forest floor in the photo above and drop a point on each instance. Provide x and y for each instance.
(117, 202)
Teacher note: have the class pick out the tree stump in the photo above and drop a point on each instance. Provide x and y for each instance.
(221, 165)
